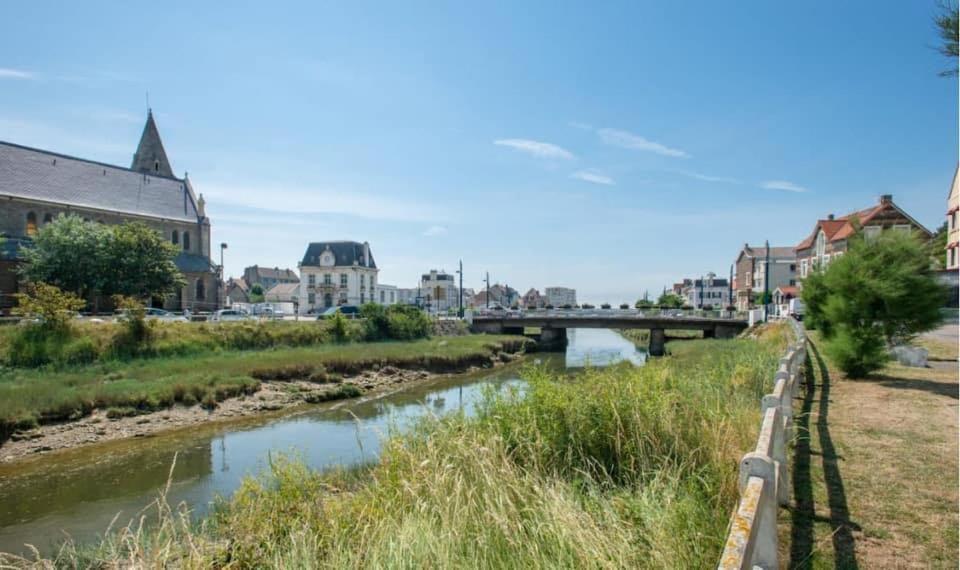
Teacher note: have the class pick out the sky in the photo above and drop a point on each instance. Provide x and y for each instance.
(611, 147)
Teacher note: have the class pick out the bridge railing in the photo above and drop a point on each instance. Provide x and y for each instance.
(764, 474)
(620, 313)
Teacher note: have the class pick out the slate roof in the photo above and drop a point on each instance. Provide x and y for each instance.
(345, 253)
(193, 263)
(150, 156)
(275, 273)
(775, 252)
(46, 176)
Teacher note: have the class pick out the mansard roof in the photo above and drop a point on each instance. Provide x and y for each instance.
(150, 156)
(45, 176)
(345, 253)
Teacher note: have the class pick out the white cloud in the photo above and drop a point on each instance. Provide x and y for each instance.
(708, 178)
(782, 185)
(7, 73)
(280, 198)
(435, 231)
(624, 139)
(536, 148)
(593, 176)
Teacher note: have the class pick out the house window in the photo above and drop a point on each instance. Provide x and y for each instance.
(362, 298)
(343, 279)
(175, 237)
(793, 267)
(311, 297)
(312, 281)
(186, 241)
(905, 228)
(327, 279)
(200, 290)
(803, 268)
(363, 281)
(383, 297)
(327, 300)
(31, 224)
(871, 231)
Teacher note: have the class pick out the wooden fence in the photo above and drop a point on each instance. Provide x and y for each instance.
(764, 473)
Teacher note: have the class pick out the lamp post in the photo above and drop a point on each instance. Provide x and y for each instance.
(221, 287)
(766, 282)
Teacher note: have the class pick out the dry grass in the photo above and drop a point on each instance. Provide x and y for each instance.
(875, 480)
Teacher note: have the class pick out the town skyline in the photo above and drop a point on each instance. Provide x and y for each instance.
(435, 148)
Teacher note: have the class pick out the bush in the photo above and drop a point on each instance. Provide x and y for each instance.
(339, 327)
(137, 333)
(880, 293)
(624, 306)
(80, 351)
(605, 306)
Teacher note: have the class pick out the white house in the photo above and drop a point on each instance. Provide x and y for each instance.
(386, 294)
(439, 290)
(337, 273)
(710, 292)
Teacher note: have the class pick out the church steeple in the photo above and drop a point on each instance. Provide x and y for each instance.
(150, 156)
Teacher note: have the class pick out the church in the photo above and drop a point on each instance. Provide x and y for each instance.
(37, 185)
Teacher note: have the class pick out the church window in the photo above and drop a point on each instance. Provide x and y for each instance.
(175, 238)
(156, 166)
(186, 241)
(47, 218)
(200, 290)
(31, 224)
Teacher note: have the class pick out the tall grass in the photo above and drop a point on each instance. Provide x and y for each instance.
(621, 467)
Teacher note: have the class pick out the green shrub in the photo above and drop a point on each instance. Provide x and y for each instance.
(83, 350)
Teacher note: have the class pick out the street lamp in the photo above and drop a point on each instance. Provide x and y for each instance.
(460, 301)
(223, 246)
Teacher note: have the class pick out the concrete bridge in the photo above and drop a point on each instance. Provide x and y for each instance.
(554, 324)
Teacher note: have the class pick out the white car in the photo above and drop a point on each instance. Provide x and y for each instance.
(161, 315)
(225, 315)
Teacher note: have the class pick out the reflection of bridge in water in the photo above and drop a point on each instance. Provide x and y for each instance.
(553, 325)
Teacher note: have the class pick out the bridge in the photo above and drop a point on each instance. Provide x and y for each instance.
(553, 325)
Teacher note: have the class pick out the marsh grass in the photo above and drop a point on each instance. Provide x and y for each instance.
(29, 397)
(611, 468)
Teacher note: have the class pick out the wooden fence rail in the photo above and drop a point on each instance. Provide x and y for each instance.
(764, 474)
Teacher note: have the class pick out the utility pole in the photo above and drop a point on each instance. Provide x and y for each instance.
(460, 310)
(488, 289)
(730, 288)
(766, 282)
(700, 300)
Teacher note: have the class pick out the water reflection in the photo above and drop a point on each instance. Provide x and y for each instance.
(80, 492)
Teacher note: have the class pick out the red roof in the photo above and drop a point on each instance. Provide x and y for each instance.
(842, 227)
(789, 290)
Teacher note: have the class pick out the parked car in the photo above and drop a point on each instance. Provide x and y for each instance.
(154, 314)
(348, 311)
(226, 315)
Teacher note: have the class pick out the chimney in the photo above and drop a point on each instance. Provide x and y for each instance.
(366, 254)
(886, 198)
(830, 217)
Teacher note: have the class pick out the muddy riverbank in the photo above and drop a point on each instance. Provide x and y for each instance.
(296, 388)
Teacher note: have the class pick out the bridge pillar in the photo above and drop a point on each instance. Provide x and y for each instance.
(726, 331)
(552, 339)
(658, 340)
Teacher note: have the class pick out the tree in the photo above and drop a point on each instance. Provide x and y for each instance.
(68, 253)
(52, 307)
(644, 304)
(139, 263)
(670, 301)
(90, 259)
(948, 22)
(256, 293)
(880, 293)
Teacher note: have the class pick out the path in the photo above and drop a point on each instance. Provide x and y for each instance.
(875, 480)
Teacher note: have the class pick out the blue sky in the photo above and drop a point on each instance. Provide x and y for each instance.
(609, 147)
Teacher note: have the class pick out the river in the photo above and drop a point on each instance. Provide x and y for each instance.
(78, 492)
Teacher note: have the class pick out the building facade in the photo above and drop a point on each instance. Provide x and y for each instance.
(439, 291)
(953, 232)
(267, 277)
(750, 273)
(709, 292)
(38, 185)
(236, 291)
(336, 273)
(532, 299)
(830, 237)
(386, 294)
(560, 296)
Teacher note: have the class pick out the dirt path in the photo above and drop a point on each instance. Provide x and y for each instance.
(875, 470)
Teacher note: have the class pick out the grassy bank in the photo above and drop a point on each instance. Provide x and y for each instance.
(641, 337)
(618, 467)
(875, 467)
(33, 396)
